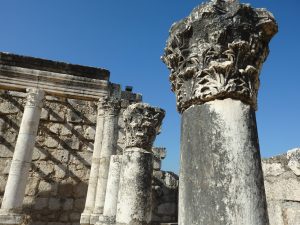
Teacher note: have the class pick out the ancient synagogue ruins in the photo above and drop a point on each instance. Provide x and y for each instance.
(77, 149)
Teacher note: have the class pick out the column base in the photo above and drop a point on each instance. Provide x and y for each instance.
(11, 218)
(85, 219)
(95, 218)
(106, 220)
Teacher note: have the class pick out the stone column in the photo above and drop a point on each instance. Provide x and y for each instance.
(215, 56)
(109, 148)
(142, 123)
(93, 180)
(111, 197)
(11, 207)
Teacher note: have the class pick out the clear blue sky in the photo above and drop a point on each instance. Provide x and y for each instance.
(128, 38)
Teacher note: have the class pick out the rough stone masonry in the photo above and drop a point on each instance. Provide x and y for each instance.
(215, 56)
(52, 127)
(59, 164)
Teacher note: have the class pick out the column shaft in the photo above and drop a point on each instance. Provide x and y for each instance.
(111, 197)
(221, 168)
(215, 55)
(134, 203)
(21, 162)
(109, 147)
(94, 174)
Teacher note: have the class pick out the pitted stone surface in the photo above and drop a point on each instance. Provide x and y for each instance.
(221, 180)
(283, 189)
(142, 123)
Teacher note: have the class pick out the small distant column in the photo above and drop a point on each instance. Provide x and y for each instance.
(111, 197)
(11, 208)
(142, 124)
(109, 148)
(93, 180)
(215, 56)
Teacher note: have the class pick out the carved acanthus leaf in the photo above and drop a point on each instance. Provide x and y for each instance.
(108, 106)
(217, 52)
(142, 124)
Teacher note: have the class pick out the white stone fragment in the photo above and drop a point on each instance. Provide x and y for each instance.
(293, 157)
(272, 169)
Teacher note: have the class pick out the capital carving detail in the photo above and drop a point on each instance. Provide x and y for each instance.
(217, 52)
(34, 97)
(142, 124)
(108, 106)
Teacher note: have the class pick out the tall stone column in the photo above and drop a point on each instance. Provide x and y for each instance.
(142, 124)
(215, 56)
(11, 207)
(111, 197)
(109, 148)
(93, 180)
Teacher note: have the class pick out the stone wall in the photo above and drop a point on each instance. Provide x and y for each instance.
(57, 183)
(282, 184)
(164, 197)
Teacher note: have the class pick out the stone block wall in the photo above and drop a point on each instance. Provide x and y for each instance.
(164, 197)
(282, 184)
(57, 184)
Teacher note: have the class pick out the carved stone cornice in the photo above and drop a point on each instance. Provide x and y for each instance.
(217, 52)
(34, 97)
(142, 124)
(108, 106)
(56, 78)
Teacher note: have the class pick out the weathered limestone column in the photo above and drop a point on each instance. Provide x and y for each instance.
(142, 124)
(93, 180)
(109, 147)
(11, 207)
(111, 197)
(215, 56)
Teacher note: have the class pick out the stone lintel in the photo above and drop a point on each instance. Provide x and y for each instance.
(57, 84)
(28, 62)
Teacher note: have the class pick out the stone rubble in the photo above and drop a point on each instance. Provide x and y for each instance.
(282, 184)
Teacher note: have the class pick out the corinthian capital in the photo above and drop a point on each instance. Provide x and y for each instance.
(108, 106)
(217, 52)
(34, 97)
(142, 124)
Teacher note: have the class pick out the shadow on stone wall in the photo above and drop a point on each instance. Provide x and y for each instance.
(57, 183)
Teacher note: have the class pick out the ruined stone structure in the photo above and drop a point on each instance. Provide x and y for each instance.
(77, 149)
(68, 108)
(282, 183)
(215, 56)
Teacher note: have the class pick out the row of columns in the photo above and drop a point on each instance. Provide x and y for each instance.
(122, 193)
(113, 195)
(104, 147)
